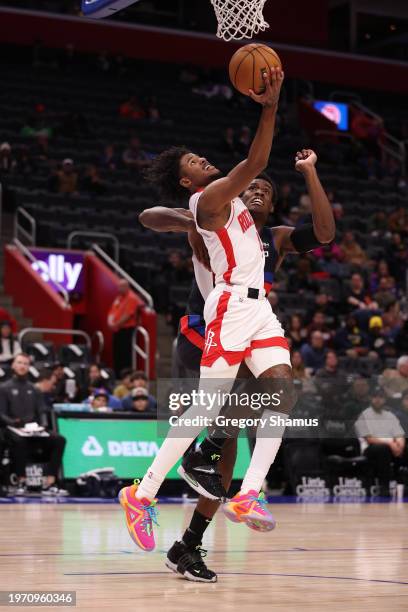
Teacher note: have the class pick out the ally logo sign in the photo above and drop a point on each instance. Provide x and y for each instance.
(64, 267)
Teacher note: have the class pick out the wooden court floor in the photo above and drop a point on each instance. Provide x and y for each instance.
(321, 557)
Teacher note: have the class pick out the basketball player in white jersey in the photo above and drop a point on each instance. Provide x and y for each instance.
(185, 556)
(240, 324)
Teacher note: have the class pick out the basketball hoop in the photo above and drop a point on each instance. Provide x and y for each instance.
(239, 19)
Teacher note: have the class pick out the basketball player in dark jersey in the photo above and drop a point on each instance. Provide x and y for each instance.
(185, 557)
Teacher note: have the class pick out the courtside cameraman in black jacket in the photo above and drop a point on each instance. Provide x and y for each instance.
(20, 403)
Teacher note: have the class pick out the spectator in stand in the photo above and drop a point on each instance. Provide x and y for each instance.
(377, 339)
(372, 168)
(294, 217)
(92, 182)
(318, 323)
(384, 296)
(402, 412)
(392, 320)
(122, 322)
(41, 149)
(331, 380)
(134, 157)
(358, 398)
(138, 402)
(125, 386)
(383, 439)
(352, 251)
(132, 109)
(381, 271)
(314, 352)
(93, 380)
(22, 403)
(324, 303)
(273, 299)
(99, 400)
(300, 279)
(356, 297)
(109, 160)
(296, 332)
(394, 381)
(329, 260)
(397, 257)
(8, 162)
(65, 180)
(46, 386)
(24, 162)
(378, 224)
(228, 144)
(60, 394)
(139, 379)
(350, 340)
(299, 371)
(398, 220)
(9, 346)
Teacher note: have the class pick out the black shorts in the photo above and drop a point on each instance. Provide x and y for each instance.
(188, 354)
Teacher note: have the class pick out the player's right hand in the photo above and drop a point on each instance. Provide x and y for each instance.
(270, 96)
(199, 249)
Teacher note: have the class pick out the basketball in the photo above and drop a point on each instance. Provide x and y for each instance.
(248, 64)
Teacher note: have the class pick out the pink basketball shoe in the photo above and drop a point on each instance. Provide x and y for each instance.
(250, 508)
(140, 516)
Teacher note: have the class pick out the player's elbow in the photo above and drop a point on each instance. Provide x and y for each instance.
(145, 218)
(326, 236)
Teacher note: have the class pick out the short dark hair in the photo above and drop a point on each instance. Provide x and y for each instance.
(265, 177)
(139, 374)
(164, 173)
(45, 374)
(125, 372)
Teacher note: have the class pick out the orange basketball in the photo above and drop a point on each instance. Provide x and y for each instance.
(248, 64)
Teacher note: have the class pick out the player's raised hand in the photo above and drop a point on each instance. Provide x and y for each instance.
(305, 159)
(270, 96)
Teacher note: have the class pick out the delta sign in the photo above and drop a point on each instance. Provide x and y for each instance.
(63, 267)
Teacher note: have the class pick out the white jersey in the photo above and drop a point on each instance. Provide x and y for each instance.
(204, 278)
(236, 250)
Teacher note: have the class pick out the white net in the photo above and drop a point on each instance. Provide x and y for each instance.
(239, 19)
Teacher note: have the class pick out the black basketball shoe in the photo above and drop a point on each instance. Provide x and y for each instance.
(188, 562)
(202, 475)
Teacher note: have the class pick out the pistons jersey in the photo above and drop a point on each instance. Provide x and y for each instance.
(236, 251)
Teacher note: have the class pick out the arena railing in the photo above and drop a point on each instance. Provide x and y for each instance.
(31, 234)
(88, 234)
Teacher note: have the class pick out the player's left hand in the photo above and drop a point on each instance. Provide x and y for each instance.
(305, 159)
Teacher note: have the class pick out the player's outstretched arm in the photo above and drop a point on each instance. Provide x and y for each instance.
(323, 230)
(162, 219)
(324, 225)
(219, 193)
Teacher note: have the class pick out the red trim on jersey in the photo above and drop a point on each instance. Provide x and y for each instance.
(191, 334)
(266, 343)
(229, 253)
(232, 213)
(213, 348)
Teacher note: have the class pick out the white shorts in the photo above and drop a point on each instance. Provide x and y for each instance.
(239, 328)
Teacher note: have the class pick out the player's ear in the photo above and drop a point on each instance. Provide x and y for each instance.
(185, 182)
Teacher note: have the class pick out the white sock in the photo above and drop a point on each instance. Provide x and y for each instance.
(170, 452)
(219, 376)
(265, 451)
